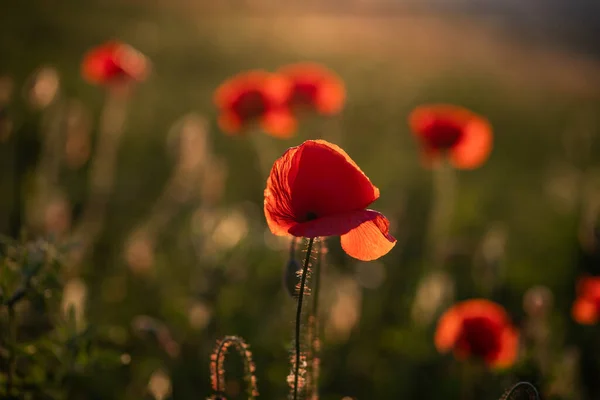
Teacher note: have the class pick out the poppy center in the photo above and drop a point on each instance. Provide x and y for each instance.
(442, 134)
(479, 337)
(250, 105)
(311, 216)
(303, 95)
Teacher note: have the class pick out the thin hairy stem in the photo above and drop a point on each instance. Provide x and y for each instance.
(313, 334)
(521, 387)
(217, 371)
(299, 315)
(317, 278)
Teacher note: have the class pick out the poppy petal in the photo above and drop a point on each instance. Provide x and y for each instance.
(229, 122)
(275, 87)
(474, 147)
(331, 97)
(509, 348)
(370, 240)
(448, 329)
(585, 311)
(479, 307)
(133, 62)
(281, 124)
(278, 203)
(231, 88)
(451, 322)
(326, 181)
(422, 116)
(314, 180)
(364, 233)
(333, 225)
(589, 287)
(330, 93)
(114, 60)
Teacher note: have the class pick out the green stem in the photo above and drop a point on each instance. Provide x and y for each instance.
(299, 315)
(11, 345)
(444, 194)
(317, 280)
(522, 387)
(265, 151)
(314, 323)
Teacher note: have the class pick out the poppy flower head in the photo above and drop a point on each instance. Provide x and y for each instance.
(464, 136)
(586, 308)
(479, 329)
(255, 97)
(314, 88)
(316, 189)
(114, 62)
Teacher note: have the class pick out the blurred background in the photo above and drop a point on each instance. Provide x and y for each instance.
(171, 232)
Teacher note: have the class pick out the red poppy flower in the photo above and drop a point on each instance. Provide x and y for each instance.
(314, 87)
(114, 62)
(465, 136)
(315, 189)
(586, 308)
(255, 97)
(481, 329)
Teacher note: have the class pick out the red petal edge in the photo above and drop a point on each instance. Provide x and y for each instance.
(364, 233)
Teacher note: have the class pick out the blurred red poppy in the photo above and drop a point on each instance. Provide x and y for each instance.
(315, 189)
(586, 308)
(440, 128)
(114, 62)
(255, 97)
(480, 329)
(314, 88)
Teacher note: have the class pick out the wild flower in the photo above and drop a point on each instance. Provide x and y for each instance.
(481, 329)
(314, 88)
(114, 62)
(316, 189)
(452, 131)
(586, 308)
(255, 97)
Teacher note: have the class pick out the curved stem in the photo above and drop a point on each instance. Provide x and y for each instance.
(299, 315)
(528, 387)
(218, 360)
(218, 371)
(313, 321)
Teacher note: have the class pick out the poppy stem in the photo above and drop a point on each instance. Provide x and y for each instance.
(314, 323)
(317, 279)
(299, 315)
(102, 172)
(521, 387)
(12, 335)
(218, 370)
(444, 194)
(265, 153)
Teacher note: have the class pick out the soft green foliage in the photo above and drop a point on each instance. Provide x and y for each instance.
(46, 353)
